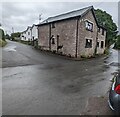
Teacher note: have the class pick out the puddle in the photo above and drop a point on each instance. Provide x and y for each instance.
(115, 64)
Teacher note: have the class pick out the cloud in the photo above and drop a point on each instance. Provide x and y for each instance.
(20, 15)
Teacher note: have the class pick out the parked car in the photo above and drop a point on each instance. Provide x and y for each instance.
(114, 95)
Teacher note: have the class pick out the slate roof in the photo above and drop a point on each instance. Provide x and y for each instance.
(72, 14)
(26, 29)
(68, 15)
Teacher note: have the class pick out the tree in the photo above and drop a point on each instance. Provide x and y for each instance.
(117, 43)
(104, 19)
(7, 36)
(15, 35)
(2, 35)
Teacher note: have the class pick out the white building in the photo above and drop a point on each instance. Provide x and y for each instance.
(26, 35)
(34, 32)
(30, 34)
(23, 36)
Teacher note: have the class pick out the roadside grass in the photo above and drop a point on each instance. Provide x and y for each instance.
(24, 42)
(2, 43)
(106, 52)
(21, 41)
(27, 42)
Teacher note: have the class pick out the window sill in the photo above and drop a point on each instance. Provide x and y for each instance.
(89, 30)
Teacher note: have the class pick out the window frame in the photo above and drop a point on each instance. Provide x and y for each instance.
(99, 29)
(90, 43)
(53, 40)
(28, 33)
(87, 22)
(103, 32)
(98, 44)
(102, 44)
(53, 24)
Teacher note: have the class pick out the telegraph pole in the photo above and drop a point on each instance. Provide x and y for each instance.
(12, 30)
(40, 18)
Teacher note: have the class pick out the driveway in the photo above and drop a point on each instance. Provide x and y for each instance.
(41, 83)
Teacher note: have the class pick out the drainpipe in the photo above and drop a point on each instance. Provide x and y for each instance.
(77, 37)
(38, 37)
(96, 43)
(49, 36)
(31, 36)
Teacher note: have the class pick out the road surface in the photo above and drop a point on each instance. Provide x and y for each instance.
(41, 83)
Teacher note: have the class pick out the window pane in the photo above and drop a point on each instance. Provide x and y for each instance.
(89, 25)
(97, 44)
(102, 44)
(88, 43)
(102, 31)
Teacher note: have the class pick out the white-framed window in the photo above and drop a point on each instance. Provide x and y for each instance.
(89, 25)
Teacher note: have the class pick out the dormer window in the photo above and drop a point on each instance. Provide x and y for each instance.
(89, 25)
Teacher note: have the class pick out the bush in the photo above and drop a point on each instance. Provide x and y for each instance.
(117, 43)
(2, 35)
(2, 43)
(106, 51)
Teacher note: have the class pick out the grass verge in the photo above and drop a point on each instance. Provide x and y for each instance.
(2, 43)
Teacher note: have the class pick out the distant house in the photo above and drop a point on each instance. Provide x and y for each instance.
(30, 34)
(75, 34)
(26, 35)
(23, 36)
(34, 32)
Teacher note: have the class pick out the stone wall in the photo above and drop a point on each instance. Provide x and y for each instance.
(101, 37)
(43, 35)
(85, 34)
(62, 37)
(65, 36)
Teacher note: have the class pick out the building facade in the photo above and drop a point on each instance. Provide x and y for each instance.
(26, 35)
(30, 34)
(72, 34)
(34, 32)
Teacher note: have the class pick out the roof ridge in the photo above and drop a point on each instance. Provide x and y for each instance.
(73, 13)
(70, 12)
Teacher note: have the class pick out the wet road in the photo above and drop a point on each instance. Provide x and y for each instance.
(36, 82)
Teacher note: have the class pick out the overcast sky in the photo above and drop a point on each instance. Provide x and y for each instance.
(23, 14)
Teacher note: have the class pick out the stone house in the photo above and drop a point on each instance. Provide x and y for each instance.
(76, 34)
